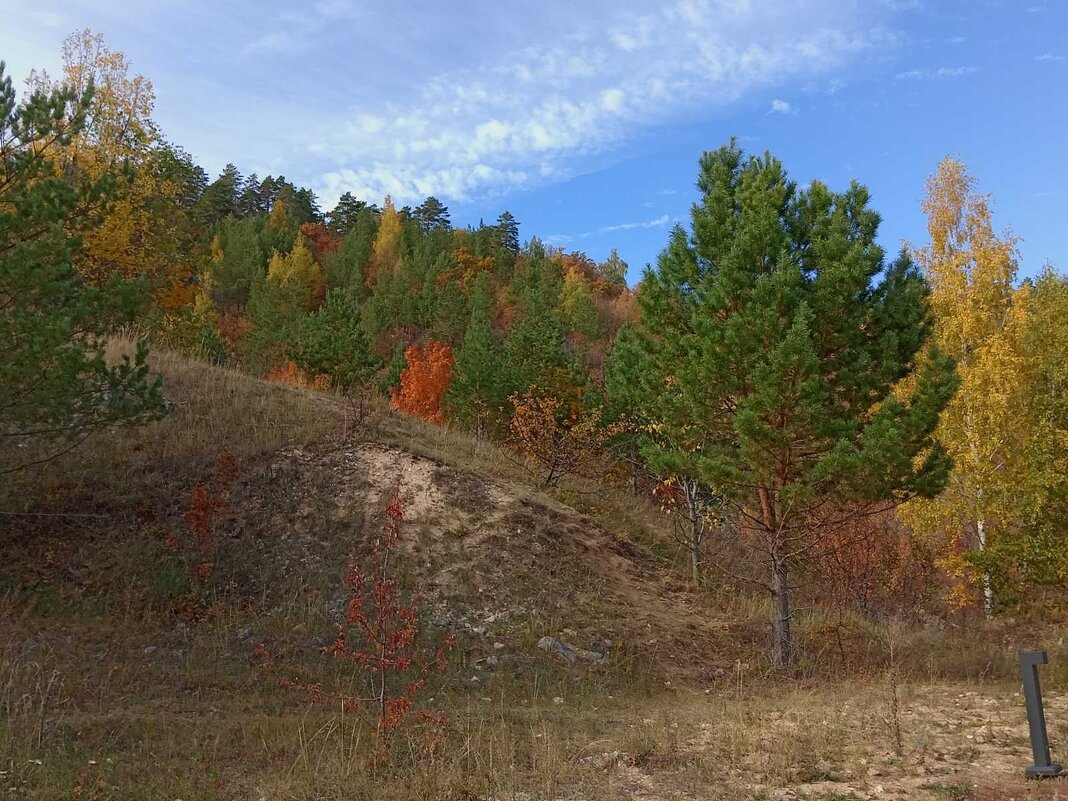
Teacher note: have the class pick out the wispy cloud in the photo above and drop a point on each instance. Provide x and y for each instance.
(531, 117)
(934, 74)
(1049, 57)
(781, 107)
(659, 222)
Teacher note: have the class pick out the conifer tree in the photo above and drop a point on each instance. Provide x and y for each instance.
(342, 218)
(238, 260)
(508, 232)
(56, 387)
(773, 338)
(331, 341)
(391, 378)
(432, 215)
(476, 389)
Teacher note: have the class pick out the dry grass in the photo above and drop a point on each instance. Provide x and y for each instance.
(107, 693)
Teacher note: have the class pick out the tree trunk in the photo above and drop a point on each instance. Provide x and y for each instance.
(783, 652)
(988, 588)
(696, 533)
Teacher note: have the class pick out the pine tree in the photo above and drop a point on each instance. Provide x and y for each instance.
(432, 215)
(391, 379)
(508, 232)
(342, 219)
(475, 393)
(238, 260)
(773, 338)
(249, 202)
(56, 387)
(331, 341)
(220, 198)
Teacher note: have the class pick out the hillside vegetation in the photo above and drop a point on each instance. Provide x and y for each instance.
(124, 677)
(359, 504)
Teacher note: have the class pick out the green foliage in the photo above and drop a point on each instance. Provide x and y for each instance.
(55, 384)
(773, 337)
(476, 390)
(332, 342)
(274, 309)
(392, 377)
(240, 262)
(346, 267)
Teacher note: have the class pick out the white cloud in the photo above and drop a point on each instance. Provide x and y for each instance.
(781, 107)
(522, 117)
(929, 74)
(659, 222)
(1049, 57)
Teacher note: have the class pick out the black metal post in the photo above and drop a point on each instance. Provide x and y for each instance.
(1036, 717)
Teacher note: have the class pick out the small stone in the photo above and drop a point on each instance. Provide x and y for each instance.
(498, 646)
(558, 700)
(150, 649)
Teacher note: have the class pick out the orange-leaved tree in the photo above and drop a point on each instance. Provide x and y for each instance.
(382, 637)
(560, 439)
(424, 380)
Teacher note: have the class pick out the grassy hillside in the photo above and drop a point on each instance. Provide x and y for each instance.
(125, 676)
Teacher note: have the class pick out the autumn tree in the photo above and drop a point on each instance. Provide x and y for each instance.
(995, 428)
(138, 234)
(424, 381)
(56, 384)
(577, 310)
(774, 334)
(298, 269)
(559, 439)
(385, 253)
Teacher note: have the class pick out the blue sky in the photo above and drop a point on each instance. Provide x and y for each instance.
(586, 119)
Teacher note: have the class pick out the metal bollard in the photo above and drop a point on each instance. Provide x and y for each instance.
(1036, 717)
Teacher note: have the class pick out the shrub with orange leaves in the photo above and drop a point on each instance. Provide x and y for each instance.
(424, 380)
(205, 503)
(233, 326)
(320, 240)
(380, 635)
(288, 373)
(560, 439)
(872, 563)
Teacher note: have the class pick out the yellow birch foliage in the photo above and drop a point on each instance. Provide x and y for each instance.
(119, 138)
(300, 269)
(385, 252)
(989, 428)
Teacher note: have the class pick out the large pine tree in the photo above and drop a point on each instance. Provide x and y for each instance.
(774, 337)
